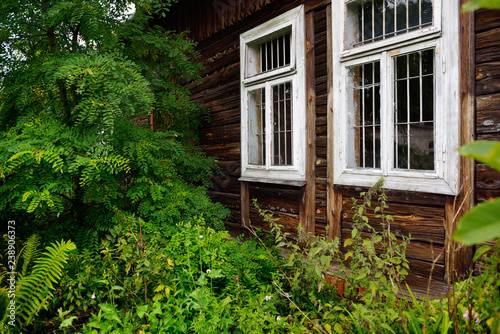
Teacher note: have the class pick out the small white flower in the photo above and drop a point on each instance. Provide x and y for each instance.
(201, 237)
(277, 318)
(268, 298)
(93, 296)
(287, 295)
(465, 316)
(476, 317)
(209, 271)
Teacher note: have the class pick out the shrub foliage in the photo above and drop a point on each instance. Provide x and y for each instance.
(79, 77)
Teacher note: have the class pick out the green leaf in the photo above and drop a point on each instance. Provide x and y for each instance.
(480, 252)
(141, 310)
(67, 322)
(328, 328)
(477, 4)
(484, 151)
(338, 328)
(480, 224)
(108, 308)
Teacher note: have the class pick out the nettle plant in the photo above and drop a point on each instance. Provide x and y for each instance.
(377, 263)
(352, 290)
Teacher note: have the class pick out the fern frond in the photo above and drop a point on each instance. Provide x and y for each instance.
(35, 289)
(30, 252)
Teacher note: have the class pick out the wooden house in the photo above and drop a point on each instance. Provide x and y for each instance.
(311, 101)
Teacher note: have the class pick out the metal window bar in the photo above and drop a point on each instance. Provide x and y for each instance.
(282, 153)
(374, 37)
(373, 120)
(273, 53)
(262, 134)
(367, 124)
(408, 123)
(363, 122)
(408, 113)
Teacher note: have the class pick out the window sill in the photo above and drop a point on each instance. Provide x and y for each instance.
(419, 184)
(273, 181)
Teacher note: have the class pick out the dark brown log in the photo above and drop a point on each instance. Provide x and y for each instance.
(245, 204)
(487, 19)
(229, 151)
(405, 197)
(290, 222)
(459, 259)
(421, 255)
(487, 177)
(309, 190)
(487, 46)
(483, 195)
(488, 77)
(275, 198)
(315, 4)
(489, 136)
(424, 216)
(488, 113)
(230, 201)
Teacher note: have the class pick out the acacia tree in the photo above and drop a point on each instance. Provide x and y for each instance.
(76, 77)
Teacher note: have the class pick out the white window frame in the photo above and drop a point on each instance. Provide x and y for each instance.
(293, 21)
(441, 36)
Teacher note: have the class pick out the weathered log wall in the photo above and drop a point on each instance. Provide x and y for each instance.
(220, 92)
(487, 30)
(423, 216)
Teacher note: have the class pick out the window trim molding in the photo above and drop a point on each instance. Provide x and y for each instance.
(295, 72)
(443, 36)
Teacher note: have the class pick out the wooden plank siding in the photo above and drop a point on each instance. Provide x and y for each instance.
(487, 98)
(487, 46)
(320, 206)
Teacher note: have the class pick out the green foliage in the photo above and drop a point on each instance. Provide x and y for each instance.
(78, 77)
(480, 224)
(35, 286)
(483, 222)
(370, 272)
(487, 152)
(190, 278)
(473, 5)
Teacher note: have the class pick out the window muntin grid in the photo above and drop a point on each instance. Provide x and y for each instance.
(414, 90)
(368, 21)
(275, 53)
(364, 112)
(256, 127)
(282, 124)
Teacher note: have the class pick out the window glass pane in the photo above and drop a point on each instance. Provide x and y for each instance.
(401, 67)
(256, 127)
(364, 116)
(427, 62)
(275, 53)
(414, 135)
(400, 16)
(401, 101)
(415, 100)
(368, 21)
(378, 19)
(282, 124)
(413, 14)
(414, 64)
(428, 98)
(426, 9)
(389, 18)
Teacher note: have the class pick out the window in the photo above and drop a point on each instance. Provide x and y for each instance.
(273, 100)
(396, 107)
